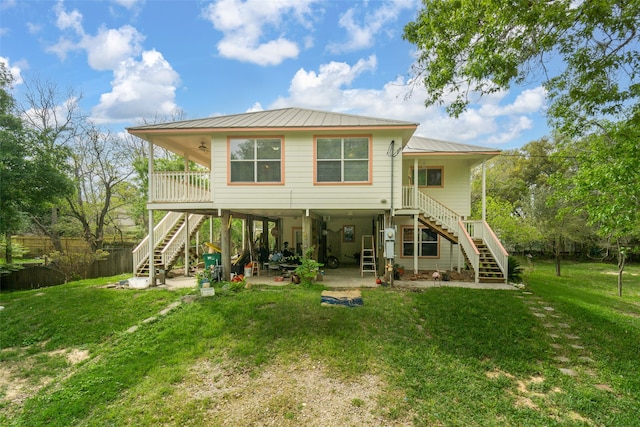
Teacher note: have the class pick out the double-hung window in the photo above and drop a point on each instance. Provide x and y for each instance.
(343, 160)
(431, 176)
(255, 160)
(427, 242)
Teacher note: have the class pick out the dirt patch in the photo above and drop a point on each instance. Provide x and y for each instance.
(16, 387)
(287, 394)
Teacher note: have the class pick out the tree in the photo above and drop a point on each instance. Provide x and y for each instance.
(474, 48)
(101, 171)
(30, 173)
(53, 118)
(604, 184)
(13, 164)
(521, 205)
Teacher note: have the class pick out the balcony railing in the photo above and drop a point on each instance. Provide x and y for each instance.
(181, 187)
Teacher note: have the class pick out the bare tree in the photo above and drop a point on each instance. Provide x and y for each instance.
(55, 118)
(101, 170)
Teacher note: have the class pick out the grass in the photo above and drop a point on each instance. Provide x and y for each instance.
(446, 356)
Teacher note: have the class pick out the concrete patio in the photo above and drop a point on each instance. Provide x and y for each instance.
(346, 278)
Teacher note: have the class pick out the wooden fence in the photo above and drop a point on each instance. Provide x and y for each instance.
(37, 246)
(119, 261)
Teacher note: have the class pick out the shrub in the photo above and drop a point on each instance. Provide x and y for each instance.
(514, 270)
(308, 268)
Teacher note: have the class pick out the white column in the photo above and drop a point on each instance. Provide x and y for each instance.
(152, 243)
(484, 192)
(186, 244)
(416, 230)
(415, 182)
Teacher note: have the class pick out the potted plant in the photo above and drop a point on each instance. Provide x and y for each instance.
(398, 271)
(205, 279)
(308, 268)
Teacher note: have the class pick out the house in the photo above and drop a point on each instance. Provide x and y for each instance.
(349, 186)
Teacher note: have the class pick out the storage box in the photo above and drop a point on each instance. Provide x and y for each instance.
(207, 292)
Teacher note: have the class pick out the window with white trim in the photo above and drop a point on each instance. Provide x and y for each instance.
(257, 160)
(342, 160)
(427, 242)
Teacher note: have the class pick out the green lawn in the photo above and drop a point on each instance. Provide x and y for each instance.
(445, 356)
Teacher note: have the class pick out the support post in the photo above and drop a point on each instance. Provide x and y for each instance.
(152, 243)
(225, 244)
(416, 230)
(306, 233)
(484, 191)
(186, 244)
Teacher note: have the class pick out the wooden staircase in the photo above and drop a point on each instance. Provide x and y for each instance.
(440, 228)
(488, 271)
(170, 246)
(477, 251)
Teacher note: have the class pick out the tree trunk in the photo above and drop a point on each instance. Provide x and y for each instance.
(557, 256)
(621, 262)
(54, 235)
(8, 254)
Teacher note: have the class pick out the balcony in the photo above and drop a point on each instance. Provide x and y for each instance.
(181, 187)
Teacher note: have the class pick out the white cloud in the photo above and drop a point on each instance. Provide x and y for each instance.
(66, 20)
(105, 50)
(361, 35)
(255, 107)
(109, 47)
(33, 28)
(325, 87)
(141, 89)
(244, 24)
(15, 70)
(7, 4)
(128, 4)
(144, 83)
(490, 121)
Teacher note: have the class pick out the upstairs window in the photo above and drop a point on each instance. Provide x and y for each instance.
(430, 176)
(343, 160)
(255, 160)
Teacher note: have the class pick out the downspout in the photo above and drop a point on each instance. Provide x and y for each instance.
(393, 143)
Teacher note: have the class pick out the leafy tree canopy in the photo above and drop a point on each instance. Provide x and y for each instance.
(477, 47)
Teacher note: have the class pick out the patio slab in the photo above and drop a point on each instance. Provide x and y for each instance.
(347, 278)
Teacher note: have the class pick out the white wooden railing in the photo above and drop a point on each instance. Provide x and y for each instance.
(141, 252)
(465, 230)
(442, 214)
(181, 187)
(469, 248)
(481, 230)
(176, 244)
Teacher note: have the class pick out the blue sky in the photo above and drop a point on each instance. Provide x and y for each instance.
(142, 59)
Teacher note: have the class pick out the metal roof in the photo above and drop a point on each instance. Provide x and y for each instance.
(421, 145)
(280, 118)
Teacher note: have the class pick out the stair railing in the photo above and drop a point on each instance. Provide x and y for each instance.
(482, 230)
(176, 244)
(470, 249)
(141, 252)
(432, 208)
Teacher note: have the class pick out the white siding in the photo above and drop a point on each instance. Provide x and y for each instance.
(456, 192)
(299, 191)
(446, 260)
